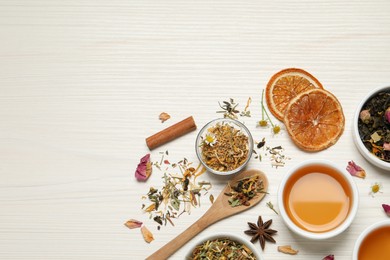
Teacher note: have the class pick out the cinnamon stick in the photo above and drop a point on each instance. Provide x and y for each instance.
(185, 126)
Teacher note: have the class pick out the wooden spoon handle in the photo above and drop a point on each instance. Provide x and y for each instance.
(171, 247)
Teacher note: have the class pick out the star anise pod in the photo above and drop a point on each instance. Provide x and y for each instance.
(261, 231)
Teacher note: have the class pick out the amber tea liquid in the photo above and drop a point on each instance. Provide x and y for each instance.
(376, 245)
(317, 198)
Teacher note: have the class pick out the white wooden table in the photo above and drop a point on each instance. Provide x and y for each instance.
(82, 84)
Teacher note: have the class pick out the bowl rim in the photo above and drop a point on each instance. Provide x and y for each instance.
(355, 132)
(365, 232)
(241, 126)
(323, 235)
(232, 236)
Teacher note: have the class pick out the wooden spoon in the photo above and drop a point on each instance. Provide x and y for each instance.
(219, 210)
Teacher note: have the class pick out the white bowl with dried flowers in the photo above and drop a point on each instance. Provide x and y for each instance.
(234, 246)
(371, 127)
(224, 146)
(317, 199)
(373, 242)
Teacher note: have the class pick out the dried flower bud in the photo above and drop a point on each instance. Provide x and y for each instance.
(386, 146)
(144, 168)
(386, 208)
(356, 170)
(387, 114)
(365, 116)
(328, 257)
(132, 223)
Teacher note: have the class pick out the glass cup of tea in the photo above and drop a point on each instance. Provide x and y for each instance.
(317, 199)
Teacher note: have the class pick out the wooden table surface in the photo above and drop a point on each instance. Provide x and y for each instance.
(82, 83)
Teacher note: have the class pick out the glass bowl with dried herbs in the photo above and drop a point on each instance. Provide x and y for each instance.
(224, 146)
(223, 246)
(371, 127)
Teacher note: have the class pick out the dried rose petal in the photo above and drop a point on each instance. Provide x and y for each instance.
(132, 223)
(148, 236)
(328, 257)
(164, 117)
(386, 208)
(356, 170)
(144, 168)
(287, 250)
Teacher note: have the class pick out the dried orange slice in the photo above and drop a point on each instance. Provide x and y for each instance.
(284, 86)
(314, 119)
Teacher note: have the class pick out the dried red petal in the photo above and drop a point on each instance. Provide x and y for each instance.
(148, 236)
(328, 257)
(356, 170)
(144, 168)
(386, 208)
(132, 223)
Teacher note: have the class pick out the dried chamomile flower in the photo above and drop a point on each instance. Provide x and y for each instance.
(132, 223)
(148, 236)
(144, 168)
(356, 170)
(210, 139)
(386, 208)
(375, 188)
(264, 122)
(287, 250)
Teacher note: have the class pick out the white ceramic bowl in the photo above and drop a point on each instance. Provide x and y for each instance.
(323, 235)
(356, 137)
(239, 239)
(367, 231)
(237, 125)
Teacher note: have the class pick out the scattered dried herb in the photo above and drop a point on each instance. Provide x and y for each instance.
(261, 144)
(374, 125)
(261, 232)
(386, 208)
(328, 257)
(144, 168)
(276, 156)
(222, 248)
(229, 109)
(287, 250)
(271, 206)
(132, 223)
(164, 117)
(247, 112)
(228, 148)
(179, 193)
(375, 188)
(148, 236)
(244, 190)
